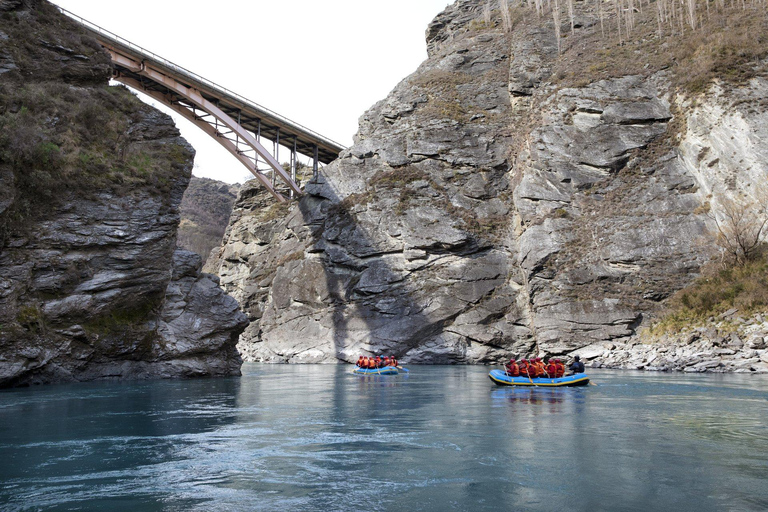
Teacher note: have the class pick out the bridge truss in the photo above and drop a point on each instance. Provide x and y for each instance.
(236, 123)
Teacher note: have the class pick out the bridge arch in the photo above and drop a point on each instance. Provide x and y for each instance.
(236, 123)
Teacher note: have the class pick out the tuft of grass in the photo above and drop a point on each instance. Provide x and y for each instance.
(120, 320)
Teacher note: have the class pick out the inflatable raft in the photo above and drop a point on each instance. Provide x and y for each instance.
(386, 370)
(502, 379)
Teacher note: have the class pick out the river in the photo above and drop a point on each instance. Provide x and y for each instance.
(301, 438)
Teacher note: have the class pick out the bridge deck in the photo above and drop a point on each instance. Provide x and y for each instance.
(252, 116)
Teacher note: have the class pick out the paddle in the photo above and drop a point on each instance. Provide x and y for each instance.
(406, 370)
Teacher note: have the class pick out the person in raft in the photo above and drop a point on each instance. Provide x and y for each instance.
(577, 366)
(512, 369)
(526, 369)
(560, 367)
(551, 369)
(371, 363)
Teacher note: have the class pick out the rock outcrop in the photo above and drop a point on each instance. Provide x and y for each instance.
(499, 202)
(728, 343)
(90, 284)
(205, 211)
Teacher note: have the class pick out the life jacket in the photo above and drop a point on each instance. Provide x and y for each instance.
(369, 362)
(513, 370)
(394, 361)
(378, 361)
(528, 370)
(541, 371)
(359, 361)
(560, 369)
(551, 370)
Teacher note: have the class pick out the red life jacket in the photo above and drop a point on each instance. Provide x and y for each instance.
(527, 370)
(560, 369)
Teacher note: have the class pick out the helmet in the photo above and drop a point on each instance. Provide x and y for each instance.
(576, 358)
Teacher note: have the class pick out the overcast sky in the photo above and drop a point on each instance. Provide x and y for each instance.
(321, 63)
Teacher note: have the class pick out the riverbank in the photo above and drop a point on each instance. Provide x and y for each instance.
(726, 343)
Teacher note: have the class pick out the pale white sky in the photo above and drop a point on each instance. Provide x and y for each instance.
(320, 63)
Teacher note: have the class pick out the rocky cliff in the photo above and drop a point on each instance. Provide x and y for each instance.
(538, 186)
(91, 284)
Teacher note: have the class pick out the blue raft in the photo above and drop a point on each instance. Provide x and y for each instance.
(500, 378)
(386, 370)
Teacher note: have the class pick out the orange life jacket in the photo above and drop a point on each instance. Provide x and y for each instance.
(525, 369)
(540, 370)
(551, 370)
(394, 361)
(378, 361)
(513, 370)
(560, 369)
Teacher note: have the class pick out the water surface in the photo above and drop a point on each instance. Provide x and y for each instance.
(440, 438)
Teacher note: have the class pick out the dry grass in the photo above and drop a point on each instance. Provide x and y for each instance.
(728, 45)
(744, 287)
(59, 138)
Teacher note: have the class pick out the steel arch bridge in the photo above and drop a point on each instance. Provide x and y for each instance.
(235, 122)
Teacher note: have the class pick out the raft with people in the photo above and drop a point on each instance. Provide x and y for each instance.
(377, 366)
(535, 372)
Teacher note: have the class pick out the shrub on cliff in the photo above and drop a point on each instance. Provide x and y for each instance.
(61, 138)
(743, 286)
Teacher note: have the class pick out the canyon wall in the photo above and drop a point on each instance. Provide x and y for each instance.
(518, 194)
(91, 178)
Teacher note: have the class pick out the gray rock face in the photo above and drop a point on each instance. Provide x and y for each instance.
(90, 286)
(486, 211)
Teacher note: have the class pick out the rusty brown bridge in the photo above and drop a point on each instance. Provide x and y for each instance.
(238, 124)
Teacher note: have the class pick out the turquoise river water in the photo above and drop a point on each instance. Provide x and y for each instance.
(301, 438)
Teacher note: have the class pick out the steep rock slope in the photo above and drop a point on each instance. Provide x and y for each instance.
(205, 210)
(90, 283)
(508, 198)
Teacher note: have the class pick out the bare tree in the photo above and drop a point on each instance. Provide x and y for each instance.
(691, 12)
(740, 227)
(556, 19)
(487, 13)
(506, 18)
